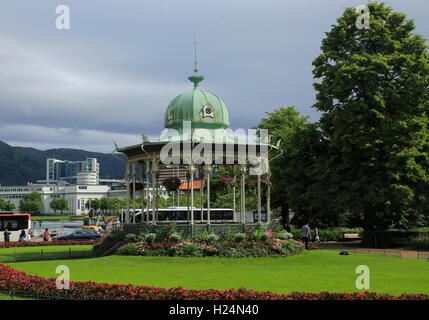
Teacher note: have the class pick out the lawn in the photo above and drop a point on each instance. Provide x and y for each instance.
(313, 271)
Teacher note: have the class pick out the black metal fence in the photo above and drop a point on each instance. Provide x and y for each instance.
(46, 255)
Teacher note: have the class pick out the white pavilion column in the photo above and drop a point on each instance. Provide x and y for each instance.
(207, 171)
(201, 192)
(127, 180)
(142, 195)
(243, 170)
(188, 181)
(234, 206)
(192, 168)
(259, 198)
(147, 190)
(134, 193)
(154, 183)
(268, 195)
(157, 194)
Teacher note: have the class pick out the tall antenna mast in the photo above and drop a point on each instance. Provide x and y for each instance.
(195, 79)
(195, 55)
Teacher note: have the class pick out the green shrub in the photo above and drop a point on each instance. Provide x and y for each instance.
(164, 232)
(130, 237)
(150, 237)
(209, 237)
(176, 237)
(190, 250)
(212, 238)
(141, 236)
(335, 234)
(239, 237)
(260, 235)
(421, 243)
(130, 249)
(284, 235)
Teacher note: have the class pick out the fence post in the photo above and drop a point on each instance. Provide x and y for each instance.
(70, 252)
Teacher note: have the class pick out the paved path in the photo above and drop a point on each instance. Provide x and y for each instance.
(355, 247)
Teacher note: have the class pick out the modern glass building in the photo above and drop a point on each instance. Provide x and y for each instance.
(67, 170)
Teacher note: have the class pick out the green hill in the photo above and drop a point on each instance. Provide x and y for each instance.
(20, 165)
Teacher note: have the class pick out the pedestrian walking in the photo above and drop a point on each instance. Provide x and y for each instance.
(6, 235)
(306, 234)
(46, 235)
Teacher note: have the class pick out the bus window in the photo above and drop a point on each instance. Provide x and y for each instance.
(13, 224)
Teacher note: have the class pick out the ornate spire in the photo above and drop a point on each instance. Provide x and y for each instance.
(195, 78)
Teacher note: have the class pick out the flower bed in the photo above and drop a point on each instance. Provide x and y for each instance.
(202, 248)
(16, 244)
(19, 282)
(252, 243)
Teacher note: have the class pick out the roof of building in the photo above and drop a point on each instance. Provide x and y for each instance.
(197, 185)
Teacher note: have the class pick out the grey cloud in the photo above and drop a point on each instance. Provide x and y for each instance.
(115, 71)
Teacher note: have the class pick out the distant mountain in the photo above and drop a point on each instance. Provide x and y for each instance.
(20, 165)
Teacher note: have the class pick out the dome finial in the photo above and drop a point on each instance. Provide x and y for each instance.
(195, 78)
(195, 55)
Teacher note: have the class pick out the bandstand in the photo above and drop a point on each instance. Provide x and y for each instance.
(197, 137)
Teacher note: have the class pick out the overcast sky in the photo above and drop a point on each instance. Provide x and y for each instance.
(111, 76)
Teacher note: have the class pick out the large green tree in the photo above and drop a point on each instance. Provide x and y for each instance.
(32, 203)
(282, 124)
(373, 90)
(59, 204)
(6, 205)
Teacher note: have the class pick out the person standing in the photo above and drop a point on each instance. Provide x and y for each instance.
(22, 236)
(306, 234)
(46, 235)
(6, 234)
(316, 235)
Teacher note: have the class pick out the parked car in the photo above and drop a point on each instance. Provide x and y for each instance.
(81, 234)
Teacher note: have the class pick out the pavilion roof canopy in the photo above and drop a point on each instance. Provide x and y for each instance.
(196, 117)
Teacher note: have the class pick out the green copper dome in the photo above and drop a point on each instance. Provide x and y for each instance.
(202, 108)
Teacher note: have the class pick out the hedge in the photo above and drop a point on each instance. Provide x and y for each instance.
(421, 243)
(392, 238)
(336, 234)
(19, 283)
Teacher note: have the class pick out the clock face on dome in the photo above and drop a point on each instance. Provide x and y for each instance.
(208, 111)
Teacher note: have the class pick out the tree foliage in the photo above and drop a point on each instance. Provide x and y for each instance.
(32, 203)
(374, 95)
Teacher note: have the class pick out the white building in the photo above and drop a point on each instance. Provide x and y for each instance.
(76, 195)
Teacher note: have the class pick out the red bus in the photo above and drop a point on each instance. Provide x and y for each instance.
(15, 223)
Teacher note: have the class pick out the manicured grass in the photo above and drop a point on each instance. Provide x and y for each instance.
(313, 271)
(44, 248)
